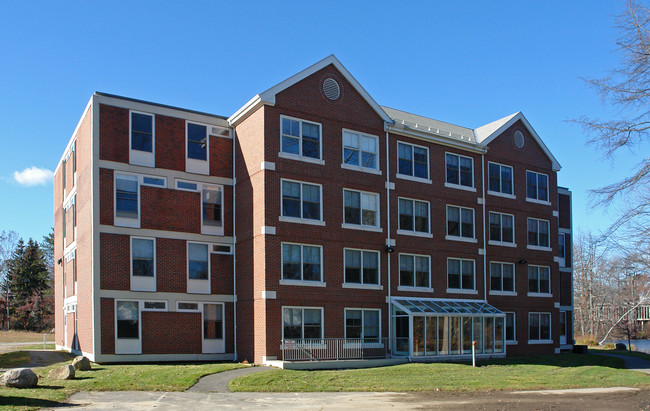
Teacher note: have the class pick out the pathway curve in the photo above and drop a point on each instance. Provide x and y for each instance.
(219, 382)
(631, 363)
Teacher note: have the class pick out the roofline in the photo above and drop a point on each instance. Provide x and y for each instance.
(74, 133)
(135, 100)
(447, 141)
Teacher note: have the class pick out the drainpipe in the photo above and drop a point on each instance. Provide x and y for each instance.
(390, 306)
(484, 225)
(234, 246)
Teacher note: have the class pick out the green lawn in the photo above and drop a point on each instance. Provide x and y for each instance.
(13, 359)
(522, 373)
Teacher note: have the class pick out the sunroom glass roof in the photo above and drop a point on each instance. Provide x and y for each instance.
(446, 307)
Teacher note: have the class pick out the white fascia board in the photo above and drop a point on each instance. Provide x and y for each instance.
(252, 105)
(450, 142)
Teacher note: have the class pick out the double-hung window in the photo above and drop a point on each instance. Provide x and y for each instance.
(502, 277)
(361, 208)
(142, 139)
(301, 138)
(198, 268)
(500, 179)
(362, 324)
(539, 280)
(460, 170)
(539, 327)
(302, 262)
(412, 161)
(301, 323)
(538, 233)
(361, 267)
(536, 186)
(127, 209)
(511, 327)
(143, 264)
(301, 200)
(561, 246)
(460, 274)
(197, 141)
(502, 228)
(413, 216)
(360, 150)
(414, 271)
(460, 223)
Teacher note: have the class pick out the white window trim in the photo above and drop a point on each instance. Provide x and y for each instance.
(361, 169)
(302, 309)
(461, 290)
(375, 227)
(514, 326)
(416, 179)
(289, 219)
(194, 165)
(196, 285)
(471, 239)
(362, 285)
(532, 200)
(126, 221)
(164, 179)
(461, 239)
(139, 283)
(499, 193)
(188, 310)
(409, 287)
(550, 329)
(514, 278)
(548, 188)
(284, 281)
(138, 157)
(459, 186)
(375, 170)
(539, 247)
(193, 190)
(414, 233)
(155, 309)
(301, 221)
(363, 310)
(131, 345)
(213, 229)
(502, 243)
(503, 293)
(550, 286)
(300, 157)
(362, 228)
(413, 178)
(303, 283)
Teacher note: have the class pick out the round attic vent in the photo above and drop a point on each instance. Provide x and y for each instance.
(518, 138)
(331, 89)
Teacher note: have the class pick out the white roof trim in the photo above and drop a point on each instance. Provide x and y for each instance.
(268, 96)
(487, 133)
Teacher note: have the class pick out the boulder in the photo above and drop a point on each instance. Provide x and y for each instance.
(81, 363)
(20, 378)
(64, 373)
(621, 346)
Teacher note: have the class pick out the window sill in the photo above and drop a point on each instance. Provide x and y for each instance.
(460, 291)
(415, 289)
(503, 195)
(534, 342)
(416, 179)
(301, 220)
(461, 239)
(362, 169)
(363, 286)
(303, 283)
(414, 234)
(538, 248)
(460, 187)
(362, 228)
(545, 295)
(502, 244)
(536, 201)
(301, 158)
(508, 293)
(512, 342)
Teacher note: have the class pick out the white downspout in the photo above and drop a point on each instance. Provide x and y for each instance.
(234, 245)
(483, 174)
(390, 306)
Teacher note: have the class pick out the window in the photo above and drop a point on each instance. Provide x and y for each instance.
(460, 222)
(511, 334)
(539, 280)
(301, 138)
(561, 245)
(301, 200)
(197, 141)
(539, 326)
(361, 208)
(141, 132)
(360, 150)
(128, 319)
(154, 181)
(155, 306)
(181, 306)
(502, 228)
(363, 324)
(361, 267)
(185, 185)
(536, 186)
(301, 262)
(460, 274)
(538, 233)
(414, 271)
(126, 196)
(212, 321)
(212, 210)
(500, 179)
(413, 215)
(142, 257)
(460, 170)
(198, 266)
(412, 160)
(502, 277)
(302, 322)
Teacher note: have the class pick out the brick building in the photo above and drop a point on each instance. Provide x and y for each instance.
(309, 218)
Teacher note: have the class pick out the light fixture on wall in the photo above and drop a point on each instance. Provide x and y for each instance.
(522, 261)
(390, 249)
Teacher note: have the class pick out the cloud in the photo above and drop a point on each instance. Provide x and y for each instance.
(33, 176)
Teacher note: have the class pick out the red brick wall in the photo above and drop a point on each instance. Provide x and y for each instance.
(115, 269)
(106, 196)
(171, 265)
(221, 267)
(220, 156)
(170, 143)
(114, 133)
(107, 316)
(171, 333)
(161, 210)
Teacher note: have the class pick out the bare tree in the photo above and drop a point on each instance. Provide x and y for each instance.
(8, 242)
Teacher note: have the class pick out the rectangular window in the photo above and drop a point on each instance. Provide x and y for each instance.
(536, 186)
(538, 235)
(460, 274)
(502, 277)
(361, 208)
(561, 245)
(198, 266)
(413, 215)
(155, 306)
(302, 322)
(460, 170)
(414, 271)
(539, 279)
(154, 181)
(126, 196)
(301, 262)
(539, 326)
(212, 321)
(412, 160)
(142, 257)
(301, 138)
(181, 306)
(212, 210)
(128, 320)
(363, 324)
(301, 200)
(511, 334)
(197, 141)
(500, 178)
(141, 132)
(460, 222)
(502, 228)
(185, 185)
(361, 267)
(360, 150)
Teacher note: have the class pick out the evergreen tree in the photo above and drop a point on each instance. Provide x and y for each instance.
(47, 247)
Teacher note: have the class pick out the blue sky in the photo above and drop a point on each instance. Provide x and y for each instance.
(467, 63)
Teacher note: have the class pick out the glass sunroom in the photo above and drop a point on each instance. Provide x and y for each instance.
(434, 328)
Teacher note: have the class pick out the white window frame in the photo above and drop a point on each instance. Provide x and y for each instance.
(550, 328)
(538, 293)
(548, 188)
(363, 337)
(119, 221)
(299, 156)
(180, 181)
(501, 243)
(413, 177)
(208, 346)
(193, 165)
(200, 186)
(414, 233)
(512, 292)
(460, 237)
(362, 285)
(301, 220)
(345, 165)
(538, 247)
(139, 283)
(144, 308)
(512, 183)
(461, 290)
(413, 288)
(138, 157)
(128, 345)
(514, 328)
(361, 226)
(302, 282)
(188, 310)
(195, 285)
(302, 311)
(144, 183)
(459, 186)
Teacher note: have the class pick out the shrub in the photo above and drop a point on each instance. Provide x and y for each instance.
(589, 340)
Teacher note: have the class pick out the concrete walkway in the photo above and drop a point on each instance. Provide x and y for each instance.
(631, 363)
(219, 382)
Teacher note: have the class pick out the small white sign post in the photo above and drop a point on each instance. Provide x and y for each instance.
(473, 353)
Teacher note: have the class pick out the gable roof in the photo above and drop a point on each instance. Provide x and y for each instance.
(429, 125)
(268, 96)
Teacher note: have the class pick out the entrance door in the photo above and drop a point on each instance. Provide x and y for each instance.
(213, 341)
(562, 327)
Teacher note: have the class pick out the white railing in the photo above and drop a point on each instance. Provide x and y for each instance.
(317, 349)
